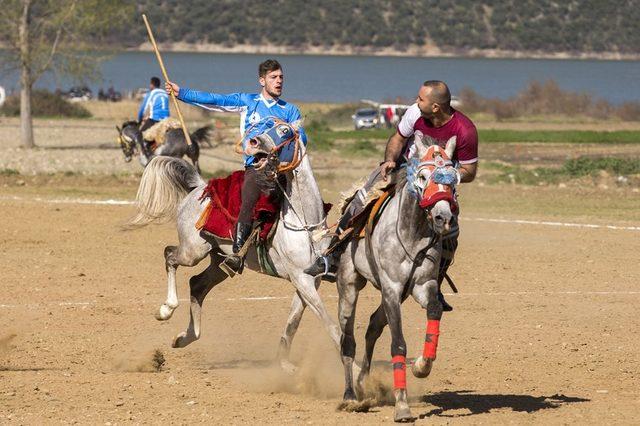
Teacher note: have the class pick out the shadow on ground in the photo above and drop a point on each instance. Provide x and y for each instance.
(474, 403)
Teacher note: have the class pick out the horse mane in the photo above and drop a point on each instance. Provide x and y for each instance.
(129, 123)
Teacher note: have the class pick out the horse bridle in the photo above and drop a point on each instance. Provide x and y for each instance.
(127, 144)
(293, 138)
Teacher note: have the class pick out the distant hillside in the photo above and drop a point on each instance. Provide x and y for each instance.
(574, 27)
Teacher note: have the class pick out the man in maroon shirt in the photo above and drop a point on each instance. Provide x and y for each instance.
(432, 116)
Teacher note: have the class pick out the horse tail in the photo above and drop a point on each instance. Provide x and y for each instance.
(164, 184)
(201, 136)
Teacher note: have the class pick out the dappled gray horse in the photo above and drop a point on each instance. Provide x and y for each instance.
(132, 143)
(400, 256)
(171, 188)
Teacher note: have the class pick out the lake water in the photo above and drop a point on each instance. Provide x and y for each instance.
(351, 78)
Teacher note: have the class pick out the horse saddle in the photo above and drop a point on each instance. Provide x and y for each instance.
(224, 198)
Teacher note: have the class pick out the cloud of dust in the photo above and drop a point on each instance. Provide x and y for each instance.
(146, 361)
(320, 374)
(5, 345)
(5, 342)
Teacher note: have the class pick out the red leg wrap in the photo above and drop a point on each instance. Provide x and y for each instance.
(399, 372)
(431, 339)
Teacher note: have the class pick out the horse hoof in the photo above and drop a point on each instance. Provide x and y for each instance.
(349, 395)
(164, 313)
(421, 368)
(288, 367)
(181, 340)
(402, 413)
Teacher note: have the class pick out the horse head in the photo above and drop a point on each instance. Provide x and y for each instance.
(432, 179)
(275, 146)
(128, 136)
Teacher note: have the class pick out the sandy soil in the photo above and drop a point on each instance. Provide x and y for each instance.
(544, 329)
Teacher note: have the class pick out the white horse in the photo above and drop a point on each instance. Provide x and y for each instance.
(170, 189)
(400, 257)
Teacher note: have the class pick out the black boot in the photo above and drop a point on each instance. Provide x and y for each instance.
(327, 265)
(234, 261)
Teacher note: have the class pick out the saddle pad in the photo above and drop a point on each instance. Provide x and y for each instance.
(225, 197)
(158, 131)
(376, 211)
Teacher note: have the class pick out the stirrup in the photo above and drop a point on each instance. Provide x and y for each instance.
(229, 269)
(326, 274)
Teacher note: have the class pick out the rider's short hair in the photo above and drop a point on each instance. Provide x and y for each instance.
(268, 66)
(155, 81)
(440, 93)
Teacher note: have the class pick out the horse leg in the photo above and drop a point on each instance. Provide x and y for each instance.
(200, 285)
(427, 296)
(307, 290)
(348, 290)
(290, 329)
(391, 304)
(194, 156)
(177, 256)
(166, 309)
(377, 323)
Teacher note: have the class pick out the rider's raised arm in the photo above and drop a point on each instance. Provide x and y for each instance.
(230, 102)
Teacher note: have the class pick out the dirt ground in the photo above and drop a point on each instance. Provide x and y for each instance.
(544, 329)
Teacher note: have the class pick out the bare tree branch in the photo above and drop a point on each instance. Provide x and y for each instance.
(54, 47)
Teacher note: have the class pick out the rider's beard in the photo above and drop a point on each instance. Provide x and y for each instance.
(273, 93)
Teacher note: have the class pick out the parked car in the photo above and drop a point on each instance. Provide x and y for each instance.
(78, 94)
(365, 118)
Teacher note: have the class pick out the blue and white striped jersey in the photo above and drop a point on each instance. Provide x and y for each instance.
(253, 108)
(155, 104)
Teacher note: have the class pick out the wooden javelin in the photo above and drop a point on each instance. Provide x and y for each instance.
(166, 78)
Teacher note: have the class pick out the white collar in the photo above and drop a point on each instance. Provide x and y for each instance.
(267, 102)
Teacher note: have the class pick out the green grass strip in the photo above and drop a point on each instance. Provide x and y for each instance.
(499, 136)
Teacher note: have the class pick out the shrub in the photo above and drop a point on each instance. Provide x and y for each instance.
(45, 104)
(628, 111)
(585, 166)
(548, 98)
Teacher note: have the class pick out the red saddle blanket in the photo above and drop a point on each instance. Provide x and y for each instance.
(221, 214)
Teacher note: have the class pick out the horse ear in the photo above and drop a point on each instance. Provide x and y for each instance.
(296, 124)
(419, 148)
(450, 147)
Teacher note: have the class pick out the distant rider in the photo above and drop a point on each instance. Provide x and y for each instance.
(154, 106)
(254, 108)
(433, 116)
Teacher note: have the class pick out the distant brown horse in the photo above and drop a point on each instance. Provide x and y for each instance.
(132, 143)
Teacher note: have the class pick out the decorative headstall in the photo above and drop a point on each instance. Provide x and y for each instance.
(285, 140)
(433, 178)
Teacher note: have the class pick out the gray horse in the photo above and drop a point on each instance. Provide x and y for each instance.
(171, 188)
(132, 143)
(400, 257)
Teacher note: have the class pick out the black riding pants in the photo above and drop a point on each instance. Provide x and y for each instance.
(147, 124)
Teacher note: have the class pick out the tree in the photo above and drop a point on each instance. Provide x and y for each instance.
(55, 36)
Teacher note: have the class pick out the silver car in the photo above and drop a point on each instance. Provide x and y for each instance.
(365, 118)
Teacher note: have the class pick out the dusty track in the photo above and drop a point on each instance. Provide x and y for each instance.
(544, 329)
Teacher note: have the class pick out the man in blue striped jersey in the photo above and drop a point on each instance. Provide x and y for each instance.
(154, 106)
(254, 109)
